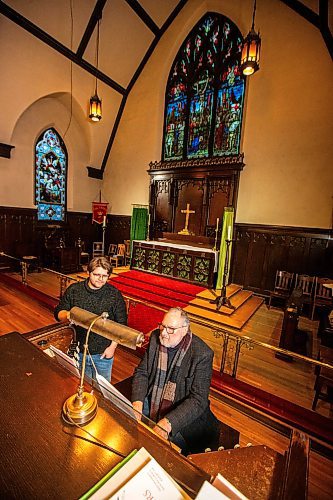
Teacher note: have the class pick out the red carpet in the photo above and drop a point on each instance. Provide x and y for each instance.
(163, 292)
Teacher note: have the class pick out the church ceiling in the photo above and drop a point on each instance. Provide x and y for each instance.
(129, 32)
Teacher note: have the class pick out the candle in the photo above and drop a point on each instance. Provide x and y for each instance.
(229, 233)
(217, 224)
(104, 221)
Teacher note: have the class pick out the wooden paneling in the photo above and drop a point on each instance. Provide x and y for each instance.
(259, 251)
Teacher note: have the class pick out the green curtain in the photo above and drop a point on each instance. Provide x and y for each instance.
(227, 229)
(139, 224)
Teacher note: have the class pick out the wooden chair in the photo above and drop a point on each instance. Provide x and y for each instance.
(324, 377)
(282, 287)
(127, 252)
(322, 295)
(306, 284)
(98, 249)
(117, 254)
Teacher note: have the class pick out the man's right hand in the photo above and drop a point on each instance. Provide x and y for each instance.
(63, 315)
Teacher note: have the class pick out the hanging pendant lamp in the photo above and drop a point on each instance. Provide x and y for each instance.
(251, 49)
(95, 107)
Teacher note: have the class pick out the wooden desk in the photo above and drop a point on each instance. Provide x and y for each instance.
(41, 457)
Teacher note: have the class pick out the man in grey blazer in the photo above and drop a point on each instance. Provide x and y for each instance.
(171, 384)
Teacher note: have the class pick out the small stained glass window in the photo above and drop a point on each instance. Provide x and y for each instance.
(205, 93)
(50, 177)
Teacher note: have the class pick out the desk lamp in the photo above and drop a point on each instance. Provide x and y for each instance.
(81, 408)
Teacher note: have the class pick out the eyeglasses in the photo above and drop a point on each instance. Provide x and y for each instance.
(169, 329)
(100, 276)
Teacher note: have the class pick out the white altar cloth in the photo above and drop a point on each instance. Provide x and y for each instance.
(162, 243)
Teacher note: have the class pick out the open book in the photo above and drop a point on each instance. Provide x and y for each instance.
(138, 476)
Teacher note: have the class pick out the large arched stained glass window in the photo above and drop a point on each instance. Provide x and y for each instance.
(205, 93)
(51, 176)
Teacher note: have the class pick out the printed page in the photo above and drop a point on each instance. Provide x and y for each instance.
(65, 360)
(118, 399)
(223, 485)
(151, 482)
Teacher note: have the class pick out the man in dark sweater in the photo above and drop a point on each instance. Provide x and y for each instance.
(96, 296)
(171, 384)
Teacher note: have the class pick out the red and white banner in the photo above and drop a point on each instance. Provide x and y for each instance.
(99, 212)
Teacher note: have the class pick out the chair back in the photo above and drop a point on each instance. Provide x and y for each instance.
(112, 249)
(128, 247)
(306, 283)
(321, 292)
(121, 250)
(98, 249)
(283, 281)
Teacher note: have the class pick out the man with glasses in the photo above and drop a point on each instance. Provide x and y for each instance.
(171, 384)
(95, 295)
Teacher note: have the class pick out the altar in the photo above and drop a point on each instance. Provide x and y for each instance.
(182, 261)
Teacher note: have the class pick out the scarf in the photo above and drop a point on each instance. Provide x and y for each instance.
(165, 383)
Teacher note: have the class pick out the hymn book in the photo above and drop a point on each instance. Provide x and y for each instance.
(139, 476)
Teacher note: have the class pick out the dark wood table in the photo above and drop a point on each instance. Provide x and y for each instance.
(41, 457)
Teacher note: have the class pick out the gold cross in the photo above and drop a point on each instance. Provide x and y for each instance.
(187, 212)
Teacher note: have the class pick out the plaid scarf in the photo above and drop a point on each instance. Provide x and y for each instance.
(164, 388)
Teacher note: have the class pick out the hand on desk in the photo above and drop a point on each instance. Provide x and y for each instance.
(163, 428)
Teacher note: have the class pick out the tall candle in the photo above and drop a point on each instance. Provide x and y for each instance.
(104, 221)
(229, 233)
(217, 224)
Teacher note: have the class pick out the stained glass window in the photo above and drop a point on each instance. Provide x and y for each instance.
(50, 176)
(205, 93)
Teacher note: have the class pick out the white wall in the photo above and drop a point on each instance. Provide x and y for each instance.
(288, 178)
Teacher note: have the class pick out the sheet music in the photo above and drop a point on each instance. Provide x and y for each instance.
(65, 361)
(118, 399)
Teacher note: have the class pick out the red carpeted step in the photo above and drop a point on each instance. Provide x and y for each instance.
(148, 287)
(161, 281)
(148, 296)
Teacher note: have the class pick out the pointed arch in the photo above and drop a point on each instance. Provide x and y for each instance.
(51, 164)
(205, 93)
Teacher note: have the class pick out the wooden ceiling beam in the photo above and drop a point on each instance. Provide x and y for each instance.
(94, 18)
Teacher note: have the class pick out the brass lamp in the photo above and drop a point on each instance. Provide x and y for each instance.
(251, 49)
(81, 407)
(95, 107)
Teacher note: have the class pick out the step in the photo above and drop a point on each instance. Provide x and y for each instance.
(207, 294)
(164, 282)
(236, 300)
(236, 320)
(151, 288)
(130, 291)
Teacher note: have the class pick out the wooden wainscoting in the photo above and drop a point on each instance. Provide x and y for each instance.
(260, 250)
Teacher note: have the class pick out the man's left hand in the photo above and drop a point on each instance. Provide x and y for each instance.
(109, 351)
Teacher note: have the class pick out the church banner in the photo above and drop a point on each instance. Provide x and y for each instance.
(99, 211)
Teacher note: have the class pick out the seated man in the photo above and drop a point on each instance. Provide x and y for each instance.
(171, 384)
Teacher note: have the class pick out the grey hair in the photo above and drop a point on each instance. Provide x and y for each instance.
(183, 314)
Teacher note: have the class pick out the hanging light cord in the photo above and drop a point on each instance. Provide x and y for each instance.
(97, 54)
(254, 13)
(71, 69)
